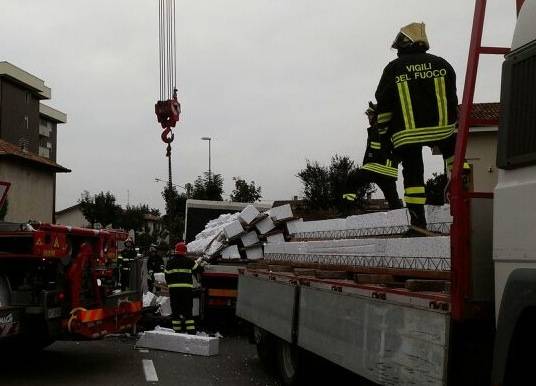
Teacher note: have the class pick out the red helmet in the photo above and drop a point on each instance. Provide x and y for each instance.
(180, 248)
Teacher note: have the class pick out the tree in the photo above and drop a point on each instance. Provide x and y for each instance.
(173, 220)
(133, 217)
(324, 186)
(245, 192)
(435, 189)
(208, 187)
(100, 208)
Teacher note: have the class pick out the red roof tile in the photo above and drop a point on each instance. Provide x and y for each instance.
(9, 150)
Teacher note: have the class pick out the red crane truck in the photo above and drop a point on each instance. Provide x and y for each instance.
(477, 331)
(59, 282)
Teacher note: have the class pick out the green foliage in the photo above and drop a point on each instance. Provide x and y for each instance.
(208, 187)
(324, 186)
(245, 192)
(3, 210)
(100, 208)
(133, 217)
(435, 189)
(173, 220)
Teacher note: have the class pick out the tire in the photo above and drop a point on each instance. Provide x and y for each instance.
(289, 363)
(266, 348)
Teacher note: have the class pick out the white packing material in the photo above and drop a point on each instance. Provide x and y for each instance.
(149, 299)
(165, 305)
(164, 339)
(160, 277)
(276, 238)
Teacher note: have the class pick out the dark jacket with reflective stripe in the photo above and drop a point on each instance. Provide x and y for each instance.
(417, 99)
(378, 154)
(126, 258)
(179, 271)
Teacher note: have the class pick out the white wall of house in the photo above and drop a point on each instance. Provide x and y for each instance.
(481, 154)
(31, 195)
(72, 217)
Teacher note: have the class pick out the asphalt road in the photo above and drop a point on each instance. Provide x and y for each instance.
(115, 361)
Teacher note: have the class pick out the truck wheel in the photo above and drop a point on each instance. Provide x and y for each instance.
(266, 348)
(288, 361)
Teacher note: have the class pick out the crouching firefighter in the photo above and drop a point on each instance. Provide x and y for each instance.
(379, 165)
(179, 271)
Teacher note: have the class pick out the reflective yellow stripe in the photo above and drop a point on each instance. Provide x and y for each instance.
(383, 131)
(405, 103)
(414, 190)
(415, 200)
(427, 134)
(349, 196)
(381, 169)
(190, 321)
(180, 285)
(176, 322)
(376, 145)
(384, 117)
(441, 97)
(178, 271)
(190, 328)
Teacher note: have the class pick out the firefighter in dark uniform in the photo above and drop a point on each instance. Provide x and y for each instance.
(179, 270)
(155, 264)
(379, 166)
(125, 261)
(417, 103)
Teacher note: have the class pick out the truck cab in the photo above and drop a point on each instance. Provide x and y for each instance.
(514, 244)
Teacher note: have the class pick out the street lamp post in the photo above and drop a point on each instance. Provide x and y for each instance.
(209, 139)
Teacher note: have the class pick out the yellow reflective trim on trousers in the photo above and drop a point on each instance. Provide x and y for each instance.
(405, 103)
(190, 328)
(384, 117)
(415, 200)
(380, 169)
(349, 196)
(180, 285)
(176, 322)
(414, 190)
(190, 321)
(178, 271)
(376, 145)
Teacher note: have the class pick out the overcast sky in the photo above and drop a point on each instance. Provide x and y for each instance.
(274, 82)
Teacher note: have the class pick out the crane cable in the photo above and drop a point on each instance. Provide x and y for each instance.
(167, 48)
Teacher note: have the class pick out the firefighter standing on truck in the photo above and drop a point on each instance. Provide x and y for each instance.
(125, 261)
(379, 165)
(417, 103)
(179, 271)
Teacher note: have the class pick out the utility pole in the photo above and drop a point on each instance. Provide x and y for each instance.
(209, 139)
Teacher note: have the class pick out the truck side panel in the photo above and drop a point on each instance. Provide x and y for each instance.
(267, 304)
(387, 343)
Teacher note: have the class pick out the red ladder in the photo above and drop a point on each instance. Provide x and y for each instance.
(459, 198)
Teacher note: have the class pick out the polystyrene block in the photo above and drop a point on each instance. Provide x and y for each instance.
(249, 238)
(183, 343)
(233, 230)
(276, 238)
(231, 252)
(254, 253)
(248, 214)
(265, 225)
(280, 213)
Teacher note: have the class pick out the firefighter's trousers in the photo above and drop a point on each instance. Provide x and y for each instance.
(387, 185)
(413, 173)
(181, 300)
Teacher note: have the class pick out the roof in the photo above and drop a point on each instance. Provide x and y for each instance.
(226, 205)
(52, 114)
(26, 79)
(9, 150)
(485, 114)
(68, 209)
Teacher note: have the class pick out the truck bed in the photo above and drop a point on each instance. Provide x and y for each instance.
(388, 335)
